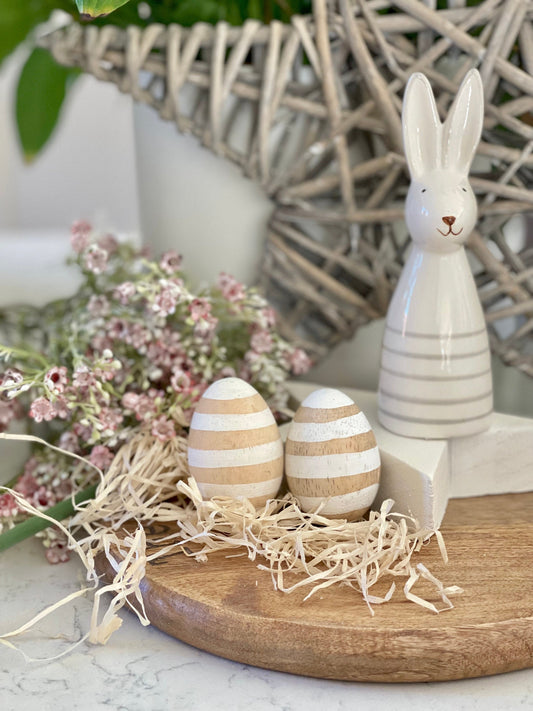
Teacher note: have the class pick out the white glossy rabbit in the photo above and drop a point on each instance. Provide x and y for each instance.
(435, 379)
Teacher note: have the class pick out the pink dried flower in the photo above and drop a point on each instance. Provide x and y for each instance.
(261, 342)
(200, 309)
(110, 418)
(98, 306)
(69, 442)
(56, 379)
(27, 485)
(83, 377)
(130, 401)
(43, 498)
(267, 317)
(109, 243)
(137, 337)
(145, 408)
(7, 414)
(42, 409)
(84, 432)
(231, 289)
(180, 380)
(124, 292)
(96, 259)
(163, 429)
(8, 505)
(166, 301)
(101, 457)
(206, 327)
(170, 262)
(80, 236)
(299, 361)
(61, 408)
(57, 553)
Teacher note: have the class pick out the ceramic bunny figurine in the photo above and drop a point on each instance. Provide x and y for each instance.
(435, 379)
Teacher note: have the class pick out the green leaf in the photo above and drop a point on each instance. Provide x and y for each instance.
(41, 90)
(17, 19)
(97, 8)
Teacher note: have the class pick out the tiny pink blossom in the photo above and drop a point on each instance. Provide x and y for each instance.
(42, 409)
(145, 408)
(180, 380)
(163, 429)
(83, 377)
(101, 457)
(61, 409)
(96, 259)
(206, 327)
(57, 553)
(200, 309)
(7, 414)
(109, 243)
(110, 418)
(231, 289)
(43, 498)
(170, 262)
(268, 317)
(69, 442)
(130, 401)
(8, 505)
(80, 236)
(98, 306)
(27, 485)
(124, 292)
(56, 379)
(261, 342)
(165, 302)
(299, 362)
(84, 432)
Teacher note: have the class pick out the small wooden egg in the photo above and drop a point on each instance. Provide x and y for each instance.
(331, 453)
(235, 448)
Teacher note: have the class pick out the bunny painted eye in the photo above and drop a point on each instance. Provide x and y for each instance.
(423, 190)
(464, 190)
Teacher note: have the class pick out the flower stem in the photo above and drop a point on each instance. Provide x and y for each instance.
(33, 525)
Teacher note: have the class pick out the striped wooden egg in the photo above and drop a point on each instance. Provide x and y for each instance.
(235, 447)
(331, 453)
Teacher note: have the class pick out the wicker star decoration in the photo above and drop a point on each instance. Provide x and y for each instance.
(325, 96)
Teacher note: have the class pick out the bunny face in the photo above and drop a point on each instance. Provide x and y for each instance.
(441, 208)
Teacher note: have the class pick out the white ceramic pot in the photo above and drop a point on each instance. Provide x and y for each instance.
(197, 203)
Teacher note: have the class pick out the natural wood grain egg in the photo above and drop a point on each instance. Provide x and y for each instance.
(235, 447)
(331, 453)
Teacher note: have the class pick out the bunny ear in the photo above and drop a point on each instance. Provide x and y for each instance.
(462, 128)
(422, 129)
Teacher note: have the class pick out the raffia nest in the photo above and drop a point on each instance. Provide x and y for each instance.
(324, 96)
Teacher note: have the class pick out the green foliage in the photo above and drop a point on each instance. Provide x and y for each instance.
(97, 8)
(40, 94)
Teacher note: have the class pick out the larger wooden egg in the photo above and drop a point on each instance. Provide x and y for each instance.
(235, 447)
(331, 454)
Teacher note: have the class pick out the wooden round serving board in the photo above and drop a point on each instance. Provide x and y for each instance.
(229, 607)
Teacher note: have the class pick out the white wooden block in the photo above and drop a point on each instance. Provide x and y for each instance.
(414, 472)
(497, 461)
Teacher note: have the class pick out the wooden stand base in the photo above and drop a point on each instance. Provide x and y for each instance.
(229, 607)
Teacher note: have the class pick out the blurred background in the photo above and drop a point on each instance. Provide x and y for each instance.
(87, 171)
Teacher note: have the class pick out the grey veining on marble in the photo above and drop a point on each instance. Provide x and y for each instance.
(142, 669)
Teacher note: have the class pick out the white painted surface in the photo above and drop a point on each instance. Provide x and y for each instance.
(249, 491)
(327, 399)
(258, 454)
(344, 503)
(324, 431)
(331, 466)
(229, 423)
(229, 389)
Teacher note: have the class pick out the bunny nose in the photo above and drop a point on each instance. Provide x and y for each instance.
(448, 220)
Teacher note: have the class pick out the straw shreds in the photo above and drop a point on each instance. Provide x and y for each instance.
(147, 483)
